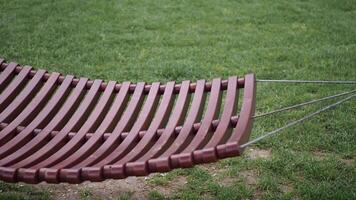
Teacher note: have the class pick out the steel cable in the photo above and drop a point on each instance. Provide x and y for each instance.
(297, 121)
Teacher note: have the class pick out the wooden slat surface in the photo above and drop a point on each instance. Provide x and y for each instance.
(57, 128)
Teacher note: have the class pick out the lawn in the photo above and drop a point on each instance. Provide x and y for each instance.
(179, 40)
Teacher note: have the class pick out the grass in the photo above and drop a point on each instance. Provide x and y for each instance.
(21, 191)
(85, 194)
(178, 40)
(125, 196)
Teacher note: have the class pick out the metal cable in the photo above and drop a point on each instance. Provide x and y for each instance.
(305, 81)
(303, 104)
(298, 121)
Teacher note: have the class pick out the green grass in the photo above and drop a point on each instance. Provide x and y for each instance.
(178, 40)
(125, 196)
(20, 191)
(85, 194)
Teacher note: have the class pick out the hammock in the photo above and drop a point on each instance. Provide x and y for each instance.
(58, 128)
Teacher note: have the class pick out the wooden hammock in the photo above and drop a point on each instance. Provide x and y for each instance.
(58, 128)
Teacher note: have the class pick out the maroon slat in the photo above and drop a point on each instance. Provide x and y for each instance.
(28, 113)
(43, 117)
(243, 128)
(20, 102)
(146, 142)
(94, 172)
(1, 62)
(73, 174)
(163, 163)
(185, 158)
(7, 74)
(14, 88)
(76, 143)
(223, 130)
(42, 145)
(64, 150)
(168, 134)
(27, 93)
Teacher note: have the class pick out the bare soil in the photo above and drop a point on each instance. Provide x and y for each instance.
(254, 153)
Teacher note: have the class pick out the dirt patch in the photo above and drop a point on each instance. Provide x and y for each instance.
(286, 188)
(134, 187)
(320, 155)
(108, 189)
(257, 195)
(172, 186)
(220, 174)
(226, 181)
(255, 153)
(250, 176)
(61, 191)
(348, 162)
(213, 170)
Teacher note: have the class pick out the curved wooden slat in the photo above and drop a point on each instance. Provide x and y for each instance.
(94, 163)
(7, 74)
(18, 103)
(42, 118)
(163, 163)
(81, 120)
(42, 145)
(185, 157)
(243, 127)
(168, 134)
(148, 139)
(223, 130)
(77, 142)
(28, 113)
(12, 90)
(73, 174)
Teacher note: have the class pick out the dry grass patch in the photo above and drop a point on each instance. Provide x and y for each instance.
(173, 186)
(255, 153)
(348, 162)
(213, 169)
(108, 189)
(320, 155)
(250, 176)
(286, 188)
